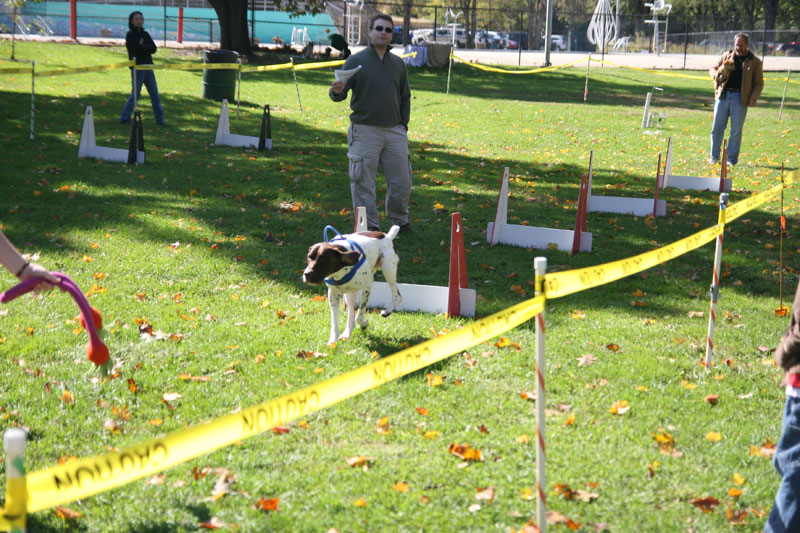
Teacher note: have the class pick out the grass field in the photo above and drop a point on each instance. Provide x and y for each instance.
(206, 244)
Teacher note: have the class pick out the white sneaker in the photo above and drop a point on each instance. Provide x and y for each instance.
(713, 160)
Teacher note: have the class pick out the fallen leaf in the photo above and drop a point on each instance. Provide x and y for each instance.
(464, 451)
(613, 347)
(586, 359)
(486, 494)
(267, 504)
(361, 502)
(712, 399)
(705, 504)
(67, 514)
(619, 408)
(400, 486)
(713, 436)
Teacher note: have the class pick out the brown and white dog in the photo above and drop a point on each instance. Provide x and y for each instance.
(724, 72)
(347, 264)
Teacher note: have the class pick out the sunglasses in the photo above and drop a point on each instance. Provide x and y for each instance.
(387, 29)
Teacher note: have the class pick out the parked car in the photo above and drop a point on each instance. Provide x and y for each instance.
(520, 37)
(790, 49)
(445, 35)
(557, 43)
(485, 40)
(501, 38)
(511, 44)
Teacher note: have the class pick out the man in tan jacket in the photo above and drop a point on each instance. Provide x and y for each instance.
(738, 80)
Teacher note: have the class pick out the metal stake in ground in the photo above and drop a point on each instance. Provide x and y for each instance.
(540, 268)
(586, 84)
(783, 229)
(294, 73)
(33, 108)
(714, 292)
(449, 66)
(785, 85)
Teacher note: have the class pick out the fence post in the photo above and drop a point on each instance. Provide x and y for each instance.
(540, 268)
(211, 31)
(685, 38)
(714, 292)
(73, 19)
(180, 25)
(16, 487)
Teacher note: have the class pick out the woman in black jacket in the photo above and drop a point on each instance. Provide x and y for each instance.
(141, 47)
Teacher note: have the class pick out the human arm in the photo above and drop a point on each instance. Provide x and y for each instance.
(17, 265)
(405, 99)
(758, 83)
(788, 353)
(713, 70)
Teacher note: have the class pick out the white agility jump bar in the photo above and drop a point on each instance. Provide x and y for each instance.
(88, 145)
(455, 299)
(500, 231)
(696, 183)
(626, 206)
(226, 138)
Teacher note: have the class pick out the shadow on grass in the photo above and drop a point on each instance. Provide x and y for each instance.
(279, 201)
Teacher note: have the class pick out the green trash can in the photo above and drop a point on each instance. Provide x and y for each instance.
(220, 84)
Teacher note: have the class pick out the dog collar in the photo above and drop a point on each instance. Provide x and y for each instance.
(347, 277)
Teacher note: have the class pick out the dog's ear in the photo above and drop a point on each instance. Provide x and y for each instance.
(350, 258)
(313, 252)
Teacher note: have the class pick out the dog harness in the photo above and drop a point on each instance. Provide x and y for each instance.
(352, 245)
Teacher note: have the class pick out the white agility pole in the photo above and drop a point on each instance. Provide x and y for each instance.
(450, 66)
(586, 84)
(540, 268)
(33, 107)
(15, 510)
(714, 292)
(646, 109)
(783, 99)
(296, 87)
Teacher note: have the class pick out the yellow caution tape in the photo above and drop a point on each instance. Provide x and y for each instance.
(560, 284)
(16, 70)
(79, 479)
(791, 177)
(324, 64)
(506, 71)
(190, 66)
(662, 72)
(81, 70)
(734, 211)
(262, 68)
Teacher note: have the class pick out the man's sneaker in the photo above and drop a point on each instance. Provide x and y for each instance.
(713, 160)
(731, 163)
(405, 228)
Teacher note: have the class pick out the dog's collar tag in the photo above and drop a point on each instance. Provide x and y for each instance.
(353, 245)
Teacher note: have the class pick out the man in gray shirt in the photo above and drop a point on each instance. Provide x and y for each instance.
(378, 134)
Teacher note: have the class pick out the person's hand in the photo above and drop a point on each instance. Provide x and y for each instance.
(34, 270)
(337, 87)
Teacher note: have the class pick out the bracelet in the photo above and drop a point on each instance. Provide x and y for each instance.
(22, 269)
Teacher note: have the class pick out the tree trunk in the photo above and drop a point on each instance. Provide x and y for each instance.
(407, 4)
(232, 15)
(770, 10)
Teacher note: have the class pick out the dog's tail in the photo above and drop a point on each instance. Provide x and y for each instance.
(393, 231)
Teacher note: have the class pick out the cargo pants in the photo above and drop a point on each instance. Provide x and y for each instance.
(367, 148)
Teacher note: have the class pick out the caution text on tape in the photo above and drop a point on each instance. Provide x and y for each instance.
(79, 479)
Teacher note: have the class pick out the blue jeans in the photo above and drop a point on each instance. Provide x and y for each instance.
(728, 106)
(148, 79)
(785, 514)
